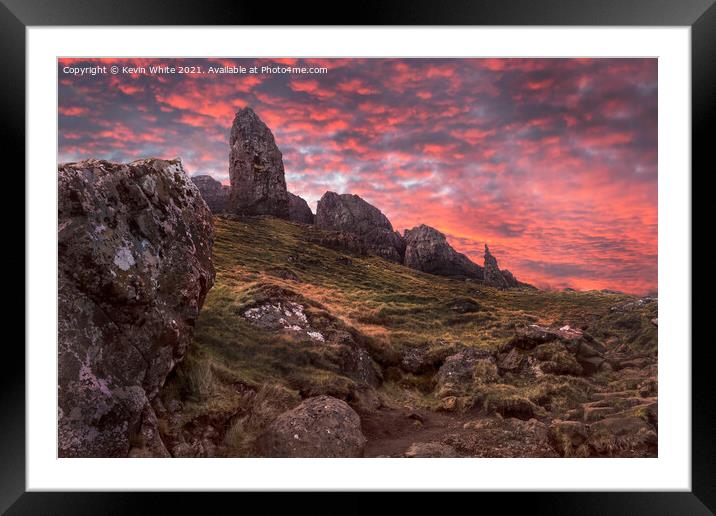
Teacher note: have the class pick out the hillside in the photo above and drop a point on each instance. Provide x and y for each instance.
(434, 366)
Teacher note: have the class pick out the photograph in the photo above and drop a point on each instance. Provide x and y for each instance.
(360, 257)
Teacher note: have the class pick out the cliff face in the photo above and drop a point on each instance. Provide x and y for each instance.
(499, 278)
(135, 263)
(298, 210)
(352, 214)
(427, 250)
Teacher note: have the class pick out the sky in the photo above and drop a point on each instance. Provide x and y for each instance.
(552, 162)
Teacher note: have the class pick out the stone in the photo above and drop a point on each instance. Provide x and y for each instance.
(634, 304)
(147, 441)
(497, 278)
(463, 370)
(532, 336)
(415, 359)
(258, 183)
(427, 250)
(298, 210)
(353, 359)
(492, 273)
(569, 438)
(424, 357)
(287, 313)
(349, 213)
(511, 361)
(590, 359)
(613, 436)
(430, 450)
(134, 260)
(284, 316)
(586, 355)
(320, 427)
(213, 192)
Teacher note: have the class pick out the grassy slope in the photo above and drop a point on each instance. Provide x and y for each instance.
(393, 306)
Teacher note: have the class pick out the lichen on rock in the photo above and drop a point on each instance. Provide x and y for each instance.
(135, 265)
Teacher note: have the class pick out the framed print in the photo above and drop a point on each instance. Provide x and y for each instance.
(423, 252)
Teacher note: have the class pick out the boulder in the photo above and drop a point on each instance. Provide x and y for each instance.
(535, 335)
(427, 250)
(258, 184)
(589, 359)
(465, 369)
(427, 356)
(350, 213)
(283, 316)
(422, 358)
(532, 336)
(213, 192)
(298, 210)
(134, 260)
(320, 427)
(570, 350)
(511, 361)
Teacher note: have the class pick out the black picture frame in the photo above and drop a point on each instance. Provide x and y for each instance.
(17, 15)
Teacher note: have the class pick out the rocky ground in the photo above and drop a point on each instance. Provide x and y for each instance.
(306, 350)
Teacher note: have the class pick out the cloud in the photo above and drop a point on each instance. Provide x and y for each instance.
(553, 162)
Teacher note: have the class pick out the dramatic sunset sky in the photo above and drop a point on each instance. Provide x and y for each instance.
(552, 162)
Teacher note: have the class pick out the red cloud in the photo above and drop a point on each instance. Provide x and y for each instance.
(550, 161)
(73, 110)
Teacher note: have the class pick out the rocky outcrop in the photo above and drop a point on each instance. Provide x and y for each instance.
(134, 250)
(620, 434)
(573, 352)
(213, 192)
(298, 210)
(493, 275)
(497, 278)
(322, 426)
(339, 241)
(258, 184)
(291, 315)
(427, 250)
(352, 214)
(463, 370)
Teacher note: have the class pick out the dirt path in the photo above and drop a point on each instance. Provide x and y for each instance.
(391, 432)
